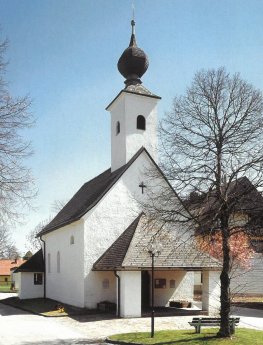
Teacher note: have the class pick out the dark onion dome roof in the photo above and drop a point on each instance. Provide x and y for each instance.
(133, 62)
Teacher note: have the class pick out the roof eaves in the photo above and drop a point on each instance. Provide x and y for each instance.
(118, 176)
(133, 92)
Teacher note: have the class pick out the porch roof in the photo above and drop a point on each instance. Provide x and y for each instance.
(34, 264)
(129, 251)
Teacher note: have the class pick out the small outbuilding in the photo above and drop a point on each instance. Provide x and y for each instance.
(29, 277)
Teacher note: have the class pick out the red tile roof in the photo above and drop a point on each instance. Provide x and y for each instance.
(6, 265)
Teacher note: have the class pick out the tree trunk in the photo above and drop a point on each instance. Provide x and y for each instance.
(224, 330)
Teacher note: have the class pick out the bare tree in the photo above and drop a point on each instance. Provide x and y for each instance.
(15, 179)
(57, 205)
(34, 243)
(7, 248)
(212, 143)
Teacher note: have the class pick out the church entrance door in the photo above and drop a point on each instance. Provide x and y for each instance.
(145, 289)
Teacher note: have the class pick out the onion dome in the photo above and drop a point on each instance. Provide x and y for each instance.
(133, 62)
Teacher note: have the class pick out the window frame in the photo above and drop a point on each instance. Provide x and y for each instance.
(38, 281)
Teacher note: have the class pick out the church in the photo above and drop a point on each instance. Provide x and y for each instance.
(98, 247)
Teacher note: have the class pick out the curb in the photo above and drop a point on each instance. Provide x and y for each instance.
(117, 342)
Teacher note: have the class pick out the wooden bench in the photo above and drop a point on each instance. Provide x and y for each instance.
(197, 322)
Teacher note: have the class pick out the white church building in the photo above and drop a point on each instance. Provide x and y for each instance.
(96, 248)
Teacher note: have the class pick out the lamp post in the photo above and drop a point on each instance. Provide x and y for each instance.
(154, 250)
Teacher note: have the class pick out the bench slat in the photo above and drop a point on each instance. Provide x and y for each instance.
(197, 322)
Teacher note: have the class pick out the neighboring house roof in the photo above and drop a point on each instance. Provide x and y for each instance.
(34, 264)
(130, 251)
(242, 196)
(90, 194)
(7, 265)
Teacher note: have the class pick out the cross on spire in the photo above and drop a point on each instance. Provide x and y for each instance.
(142, 186)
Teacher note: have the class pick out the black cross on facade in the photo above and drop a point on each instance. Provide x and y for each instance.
(142, 185)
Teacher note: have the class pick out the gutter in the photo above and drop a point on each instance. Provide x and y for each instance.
(44, 243)
(119, 294)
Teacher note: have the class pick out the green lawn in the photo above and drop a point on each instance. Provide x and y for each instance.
(208, 336)
(4, 288)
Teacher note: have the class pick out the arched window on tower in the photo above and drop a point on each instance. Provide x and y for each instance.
(48, 263)
(118, 127)
(141, 122)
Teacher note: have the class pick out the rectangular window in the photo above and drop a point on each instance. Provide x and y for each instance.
(38, 279)
(160, 283)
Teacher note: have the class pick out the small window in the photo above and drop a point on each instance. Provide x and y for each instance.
(118, 127)
(105, 283)
(48, 263)
(141, 122)
(172, 283)
(160, 283)
(6, 280)
(72, 240)
(38, 279)
(58, 262)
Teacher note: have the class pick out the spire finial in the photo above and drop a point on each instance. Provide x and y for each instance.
(133, 26)
(133, 62)
(133, 19)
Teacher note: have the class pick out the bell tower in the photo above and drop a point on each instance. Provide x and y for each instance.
(134, 110)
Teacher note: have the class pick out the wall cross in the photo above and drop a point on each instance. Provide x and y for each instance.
(142, 186)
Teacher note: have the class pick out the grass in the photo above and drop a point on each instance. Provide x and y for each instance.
(41, 306)
(248, 299)
(207, 337)
(5, 288)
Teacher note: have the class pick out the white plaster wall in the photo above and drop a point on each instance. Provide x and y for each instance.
(102, 293)
(17, 280)
(125, 109)
(105, 222)
(118, 145)
(211, 292)
(111, 217)
(197, 278)
(140, 105)
(68, 285)
(248, 281)
(27, 287)
(184, 287)
(130, 282)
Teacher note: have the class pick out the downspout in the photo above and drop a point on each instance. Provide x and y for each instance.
(119, 294)
(44, 243)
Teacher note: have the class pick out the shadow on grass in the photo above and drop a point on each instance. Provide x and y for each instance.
(48, 308)
(63, 342)
(185, 338)
(191, 340)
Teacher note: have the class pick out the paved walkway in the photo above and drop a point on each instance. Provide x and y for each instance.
(21, 328)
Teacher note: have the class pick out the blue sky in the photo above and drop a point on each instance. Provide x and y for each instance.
(64, 54)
